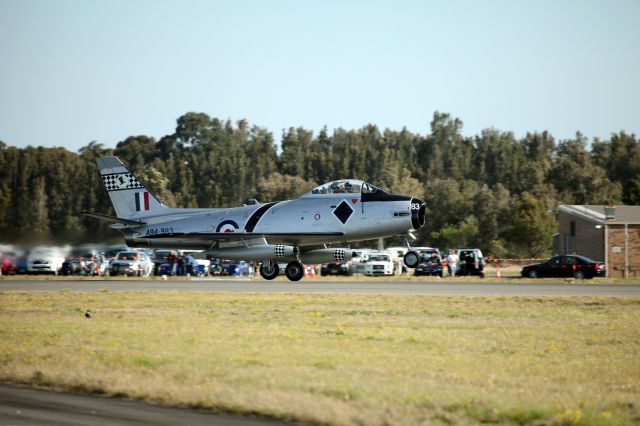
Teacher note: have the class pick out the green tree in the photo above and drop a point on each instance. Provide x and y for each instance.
(529, 227)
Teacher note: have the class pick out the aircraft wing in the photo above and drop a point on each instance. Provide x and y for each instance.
(113, 219)
(237, 236)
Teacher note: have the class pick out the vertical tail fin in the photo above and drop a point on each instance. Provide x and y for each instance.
(128, 195)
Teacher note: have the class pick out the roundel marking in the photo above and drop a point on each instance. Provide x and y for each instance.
(227, 226)
(317, 216)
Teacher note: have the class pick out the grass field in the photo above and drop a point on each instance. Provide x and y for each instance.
(336, 359)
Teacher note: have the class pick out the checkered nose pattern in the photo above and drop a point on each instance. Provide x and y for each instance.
(121, 181)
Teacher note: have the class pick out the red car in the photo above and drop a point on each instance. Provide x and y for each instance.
(7, 264)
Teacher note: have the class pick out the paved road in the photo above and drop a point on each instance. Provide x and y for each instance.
(378, 286)
(25, 406)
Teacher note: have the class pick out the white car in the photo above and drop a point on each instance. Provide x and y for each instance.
(397, 254)
(379, 263)
(131, 263)
(45, 259)
(359, 261)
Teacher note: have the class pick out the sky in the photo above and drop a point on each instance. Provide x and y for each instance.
(75, 71)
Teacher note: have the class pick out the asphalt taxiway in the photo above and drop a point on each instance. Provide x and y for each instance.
(28, 406)
(310, 286)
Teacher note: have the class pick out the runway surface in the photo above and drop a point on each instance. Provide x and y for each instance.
(374, 286)
(26, 406)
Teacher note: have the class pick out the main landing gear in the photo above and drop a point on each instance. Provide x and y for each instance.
(294, 271)
(270, 270)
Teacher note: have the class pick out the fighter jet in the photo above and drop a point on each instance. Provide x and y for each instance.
(294, 231)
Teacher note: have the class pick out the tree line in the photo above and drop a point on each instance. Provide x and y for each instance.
(491, 190)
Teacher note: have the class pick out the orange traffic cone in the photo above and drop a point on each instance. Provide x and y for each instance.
(498, 272)
(313, 271)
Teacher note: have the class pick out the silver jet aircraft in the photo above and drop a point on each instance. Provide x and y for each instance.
(293, 231)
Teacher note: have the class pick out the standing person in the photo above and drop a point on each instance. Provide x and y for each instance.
(452, 263)
(172, 260)
(182, 264)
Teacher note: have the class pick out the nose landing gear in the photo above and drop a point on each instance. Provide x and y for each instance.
(411, 258)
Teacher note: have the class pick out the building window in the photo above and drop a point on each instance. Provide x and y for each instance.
(572, 228)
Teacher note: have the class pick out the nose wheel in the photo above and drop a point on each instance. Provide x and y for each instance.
(269, 270)
(411, 259)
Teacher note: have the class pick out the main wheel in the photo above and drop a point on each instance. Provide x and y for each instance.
(294, 271)
(269, 270)
(411, 259)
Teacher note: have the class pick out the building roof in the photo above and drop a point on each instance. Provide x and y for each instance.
(621, 214)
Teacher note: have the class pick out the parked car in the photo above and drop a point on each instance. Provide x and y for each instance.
(8, 264)
(360, 260)
(131, 263)
(471, 262)
(431, 265)
(565, 266)
(191, 265)
(85, 261)
(160, 258)
(397, 255)
(379, 263)
(231, 267)
(45, 259)
(336, 268)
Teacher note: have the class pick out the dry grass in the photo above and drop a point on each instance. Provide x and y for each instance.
(336, 359)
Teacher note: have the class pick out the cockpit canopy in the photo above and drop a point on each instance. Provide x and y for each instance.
(344, 186)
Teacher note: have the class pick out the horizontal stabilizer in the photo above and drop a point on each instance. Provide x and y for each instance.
(112, 219)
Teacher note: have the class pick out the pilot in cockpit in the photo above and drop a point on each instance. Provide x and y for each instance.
(337, 187)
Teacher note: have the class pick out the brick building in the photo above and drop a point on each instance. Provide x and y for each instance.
(606, 234)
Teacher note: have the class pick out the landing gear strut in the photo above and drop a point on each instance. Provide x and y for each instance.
(411, 258)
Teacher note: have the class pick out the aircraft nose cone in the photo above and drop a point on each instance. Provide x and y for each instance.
(418, 214)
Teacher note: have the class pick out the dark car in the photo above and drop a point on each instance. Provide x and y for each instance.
(336, 268)
(71, 267)
(565, 266)
(228, 267)
(84, 263)
(190, 264)
(160, 259)
(429, 266)
(471, 262)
